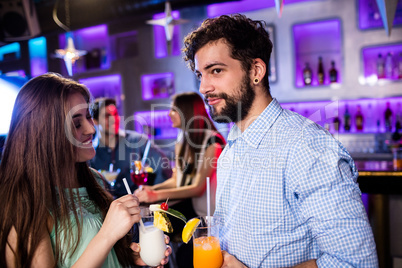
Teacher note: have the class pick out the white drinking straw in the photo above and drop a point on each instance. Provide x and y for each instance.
(146, 151)
(129, 192)
(208, 206)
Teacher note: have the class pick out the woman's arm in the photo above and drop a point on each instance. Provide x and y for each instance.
(169, 183)
(122, 215)
(43, 256)
(198, 186)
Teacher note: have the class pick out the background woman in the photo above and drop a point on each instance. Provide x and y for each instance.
(54, 211)
(197, 150)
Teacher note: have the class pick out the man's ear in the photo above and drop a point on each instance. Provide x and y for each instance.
(258, 69)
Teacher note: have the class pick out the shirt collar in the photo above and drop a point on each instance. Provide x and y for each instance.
(257, 130)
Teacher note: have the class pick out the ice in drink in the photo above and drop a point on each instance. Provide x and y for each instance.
(207, 252)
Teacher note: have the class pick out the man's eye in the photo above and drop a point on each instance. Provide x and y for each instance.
(217, 71)
(198, 76)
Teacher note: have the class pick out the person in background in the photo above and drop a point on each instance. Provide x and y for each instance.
(196, 151)
(122, 147)
(287, 189)
(54, 210)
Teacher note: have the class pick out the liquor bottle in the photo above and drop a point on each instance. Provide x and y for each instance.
(398, 117)
(370, 119)
(307, 74)
(400, 66)
(333, 73)
(359, 118)
(321, 75)
(346, 119)
(389, 66)
(380, 67)
(388, 117)
(337, 123)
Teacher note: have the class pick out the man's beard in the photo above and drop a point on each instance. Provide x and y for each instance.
(237, 107)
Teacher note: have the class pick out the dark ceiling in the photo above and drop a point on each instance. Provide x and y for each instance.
(85, 13)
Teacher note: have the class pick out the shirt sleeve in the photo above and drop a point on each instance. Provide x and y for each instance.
(329, 201)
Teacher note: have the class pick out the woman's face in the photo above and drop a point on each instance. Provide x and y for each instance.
(175, 117)
(84, 127)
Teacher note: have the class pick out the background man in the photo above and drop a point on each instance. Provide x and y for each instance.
(119, 147)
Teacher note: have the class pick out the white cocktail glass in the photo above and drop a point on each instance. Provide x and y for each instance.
(152, 240)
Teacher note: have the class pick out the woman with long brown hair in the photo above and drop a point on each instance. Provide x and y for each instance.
(196, 151)
(54, 210)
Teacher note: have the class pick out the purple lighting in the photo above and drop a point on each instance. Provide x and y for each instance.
(370, 17)
(95, 41)
(371, 55)
(317, 39)
(155, 123)
(373, 110)
(160, 85)
(105, 86)
(215, 10)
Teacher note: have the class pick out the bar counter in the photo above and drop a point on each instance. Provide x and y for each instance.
(378, 181)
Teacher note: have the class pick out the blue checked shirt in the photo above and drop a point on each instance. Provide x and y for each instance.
(287, 193)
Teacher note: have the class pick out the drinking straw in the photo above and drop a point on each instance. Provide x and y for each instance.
(146, 151)
(111, 167)
(208, 207)
(129, 192)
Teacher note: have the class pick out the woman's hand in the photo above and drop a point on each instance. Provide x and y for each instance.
(146, 195)
(120, 218)
(136, 248)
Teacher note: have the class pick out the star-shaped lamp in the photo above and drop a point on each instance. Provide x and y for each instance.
(168, 22)
(69, 55)
(279, 7)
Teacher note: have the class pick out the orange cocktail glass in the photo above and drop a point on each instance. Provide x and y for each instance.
(207, 251)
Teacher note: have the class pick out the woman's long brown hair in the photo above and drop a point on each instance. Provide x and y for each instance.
(195, 121)
(38, 160)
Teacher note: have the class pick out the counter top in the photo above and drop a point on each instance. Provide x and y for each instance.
(378, 177)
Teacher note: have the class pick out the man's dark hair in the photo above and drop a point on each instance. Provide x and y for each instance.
(247, 38)
(101, 102)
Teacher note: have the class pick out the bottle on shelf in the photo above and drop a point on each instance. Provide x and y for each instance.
(380, 67)
(337, 123)
(333, 73)
(321, 75)
(389, 66)
(388, 117)
(400, 66)
(307, 74)
(359, 118)
(369, 121)
(346, 119)
(398, 117)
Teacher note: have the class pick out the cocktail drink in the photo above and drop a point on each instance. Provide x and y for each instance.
(110, 176)
(138, 174)
(152, 240)
(207, 251)
(139, 178)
